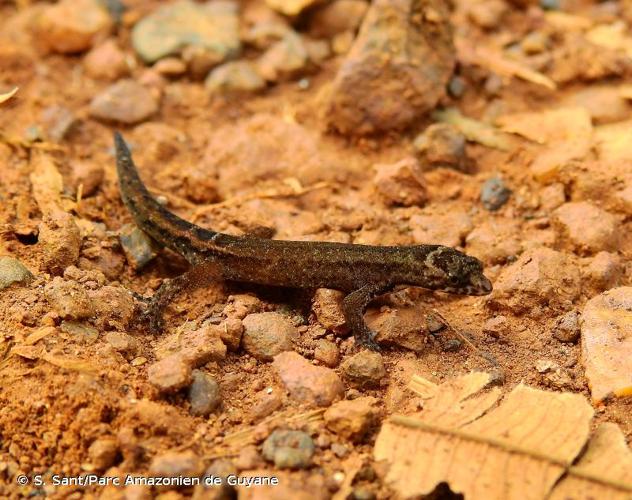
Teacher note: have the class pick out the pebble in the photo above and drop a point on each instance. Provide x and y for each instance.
(496, 327)
(441, 145)
(211, 28)
(390, 63)
(290, 7)
(606, 340)
(327, 353)
(113, 306)
(170, 66)
(126, 101)
(550, 4)
(265, 403)
(202, 345)
(13, 271)
(221, 467)
(68, 299)
(61, 240)
(124, 343)
(364, 368)
(57, 121)
(352, 419)
(604, 271)
(234, 76)
(176, 464)
(285, 59)
(496, 240)
(83, 334)
(308, 383)
(401, 183)
(587, 228)
(406, 327)
(546, 366)
(170, 374)
(267, 334)
(552, 196)
(89, 175)
(102, 453)
(327, 306)
(487, 13)
(456, 87)
(337, 17)
(137, 246)
(203, 394)
(535, 42)
(566, 328)
(289, 449)
(448, 229)
(106, 62)
(72, 26)
(249, 458)
(494, 194)
(541, 277)
(230, 331)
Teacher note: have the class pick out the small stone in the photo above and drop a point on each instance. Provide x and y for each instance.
(448, 229)
(114, 307)
(72, 26)
(242, 305)
(200, 346)
(494, 194)
(308, 383)
(57, 121)
(103, 452)
(456, 87)
(327, 306)
(126, 101)
(13, 271)
(363, 494)
(89, 176)
(176, 464)
(204, 394)
(566, 328)
(487, 13)
(364, 368)
(337, 17)
(68, 299)
(123, 342)
(352, 419)
(552, 196)
(327, 353)
(170, 374)
(496, 240)
(604, 271)
(587, 228)
(289, 449)
(211, 28)
(231, 331)
(496, 327)
(401, 183)
(550, 4)
(83, 334)
(266, 402)
(535, 42)
(138, 247)
(236, 76)
(406, 327)
(339, 450)
(284, 60)
(106, 62)
(267, 334)
(441, 145)
(222, 468)
(170, 66)
(61, 240)
(546, 365)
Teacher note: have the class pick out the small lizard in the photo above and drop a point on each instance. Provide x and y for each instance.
(361, 271)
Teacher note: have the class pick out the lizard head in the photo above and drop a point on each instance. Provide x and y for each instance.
(456, 272)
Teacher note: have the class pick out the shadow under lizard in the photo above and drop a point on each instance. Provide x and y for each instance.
(361, 271)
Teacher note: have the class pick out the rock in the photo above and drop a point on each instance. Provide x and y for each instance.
(604, 271)
(606, 331)
(448, 229)
(566, 328)
(494, 194)
(72, 26)
(546, 366)
(552, 196)
(126, 102)
(308, 383)
(267, 334)
(231, 331)
(82, 334)
(337, 17)
(57, 122)
(441, 145)
(487, 13)
(237, 76)
(327, 353)
(89, 176)
(397, 69)
(352, 419)
(285, 59)
(289, 449)
(211, 27)
(102, 453)
(266, 402)
(401, 183)
(364, 369)
(496, 240)
(204, 394)
(170, 374)
(219, 468)
(114, 307)
(123, 343)
(496, 327)
(327, 306)
(170, 66)
(200, 346)
(290, 7)
(586, 228)
(68, 299)
(241, 305)
(541, 277)
(61, 240)
(106, 62)
(406, 327)
(176, 464)
(138, 247)
(249, 458)
(13, 271)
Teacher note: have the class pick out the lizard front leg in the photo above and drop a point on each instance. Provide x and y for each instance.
(354, 306)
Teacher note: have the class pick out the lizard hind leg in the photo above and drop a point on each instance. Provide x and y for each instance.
(354, 306)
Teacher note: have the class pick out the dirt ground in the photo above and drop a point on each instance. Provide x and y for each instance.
(538, 186)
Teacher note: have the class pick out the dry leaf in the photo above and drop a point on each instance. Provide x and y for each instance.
(474, 130)
(5, 97)
(518, 448)
(550, 126)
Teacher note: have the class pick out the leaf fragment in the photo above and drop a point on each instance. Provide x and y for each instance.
(8, 95)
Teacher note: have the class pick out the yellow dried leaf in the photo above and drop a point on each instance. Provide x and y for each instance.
(39, 334)
(474, 130)
(550, 126)
(5, 97)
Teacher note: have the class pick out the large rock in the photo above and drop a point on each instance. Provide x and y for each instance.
(397, 69)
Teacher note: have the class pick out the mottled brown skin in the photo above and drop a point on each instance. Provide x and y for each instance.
(362, 271)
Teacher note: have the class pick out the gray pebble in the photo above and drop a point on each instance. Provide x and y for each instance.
(364, 368)
(289, 449)
(494, 193)
(138, 247)
(13, 271)
(566, 328)
(84, 334)
(550, 4)
(456, 87)
(204, 394)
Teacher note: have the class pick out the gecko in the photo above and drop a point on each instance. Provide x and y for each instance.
(361, 272)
